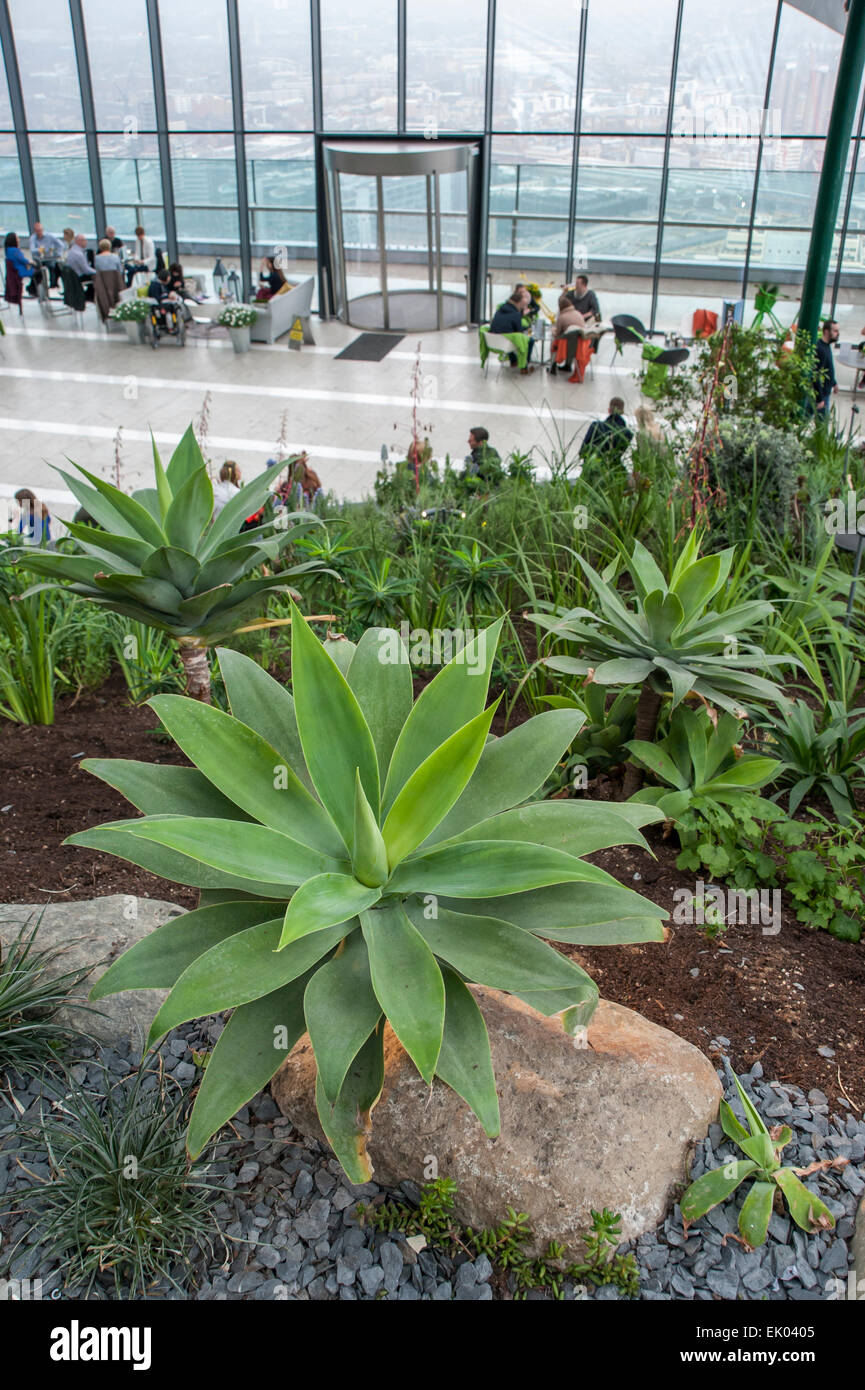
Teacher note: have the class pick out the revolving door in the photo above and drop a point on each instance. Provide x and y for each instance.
(398, 218)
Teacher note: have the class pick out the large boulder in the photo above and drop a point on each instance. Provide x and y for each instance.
(94, 933)
(608, 1121)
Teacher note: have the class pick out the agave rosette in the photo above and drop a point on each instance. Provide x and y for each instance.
(363, 858)
(160, 556)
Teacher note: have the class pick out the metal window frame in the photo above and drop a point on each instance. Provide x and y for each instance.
(154, 29)
(88, 110)
(19, 115)
(479, 212)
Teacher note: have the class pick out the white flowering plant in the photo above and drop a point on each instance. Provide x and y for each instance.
(237, 316)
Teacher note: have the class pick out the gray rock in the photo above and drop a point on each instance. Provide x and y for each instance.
(371, 1279)
(94, 933)
(391, 1262)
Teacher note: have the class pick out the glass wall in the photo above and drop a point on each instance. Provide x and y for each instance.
(658, 141)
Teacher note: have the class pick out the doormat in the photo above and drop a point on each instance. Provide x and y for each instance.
(370, 347)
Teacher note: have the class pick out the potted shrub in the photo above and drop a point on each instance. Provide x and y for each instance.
(132, 314)
(238, 319)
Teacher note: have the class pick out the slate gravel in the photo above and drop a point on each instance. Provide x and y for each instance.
(289, 1230)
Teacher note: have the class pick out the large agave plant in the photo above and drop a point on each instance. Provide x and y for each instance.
(160, 557)
(670, 640)
(364, 858)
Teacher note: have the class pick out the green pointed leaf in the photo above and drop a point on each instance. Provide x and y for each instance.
(239, 848)
(190, 511)
(200, 608)
(186, 460)
(238, 970)
(333, 732)
(576, 1005)
(163, 486)
(348, 1123)
(577, 827)
(340, 651)
(457, 695)
(714, 1187)
(128, 553)
(433, 787)
(495, 953)
(380, 676)
(696, 585)
(251, 1048)
(511, 769)
(266, 706)
(153, 594)
(664, 614)
(175, 566)
(341, 1012)
(761, 1149)
(117, 838)
(369, 859)
(324, 901)
(752, 1115)
(731, 1125)
(244, 503)
(756, 1213)
(563, 907)
(465, 1063)
(137, 519)
(228, 568)
(160, 958)
(408, 984)
(646, 574)
(481, 867)
(808, 1210)
(163, 789)
(627, 933)
(247, 770)
(622, 671)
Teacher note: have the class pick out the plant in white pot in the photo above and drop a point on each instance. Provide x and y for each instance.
(238, 319)
(132, 314)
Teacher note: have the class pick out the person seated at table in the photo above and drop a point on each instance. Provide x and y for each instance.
(606, 442)
(67, 240)
(44, 246)
(564, 343)
(77, 259)
(142, 256)
(34, 519)
(15, 257)
(584, 299)
(509, 318)
(105, 258)
(271, 280)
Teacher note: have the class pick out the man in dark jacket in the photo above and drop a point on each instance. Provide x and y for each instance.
(508, 318)
(584, 299)
(606, 441)
(825, 381)
(483, 462)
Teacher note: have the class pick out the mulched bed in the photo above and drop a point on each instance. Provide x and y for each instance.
(776, 999)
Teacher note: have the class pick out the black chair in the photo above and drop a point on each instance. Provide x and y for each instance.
(74, 291)
(628, 329)
(672, 358)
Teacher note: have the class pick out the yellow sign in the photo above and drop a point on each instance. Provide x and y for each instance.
(295, 337)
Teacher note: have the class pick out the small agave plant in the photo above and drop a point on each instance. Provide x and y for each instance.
(363, 859)
(761, 1148)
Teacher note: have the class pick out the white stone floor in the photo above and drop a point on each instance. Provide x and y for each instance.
(66, 388)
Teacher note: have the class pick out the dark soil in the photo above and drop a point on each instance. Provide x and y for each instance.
(48, 797)
(776, 998)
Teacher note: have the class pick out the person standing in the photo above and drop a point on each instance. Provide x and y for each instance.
(606, 441)
(825, 381)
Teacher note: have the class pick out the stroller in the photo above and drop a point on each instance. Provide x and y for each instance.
(166, 320)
